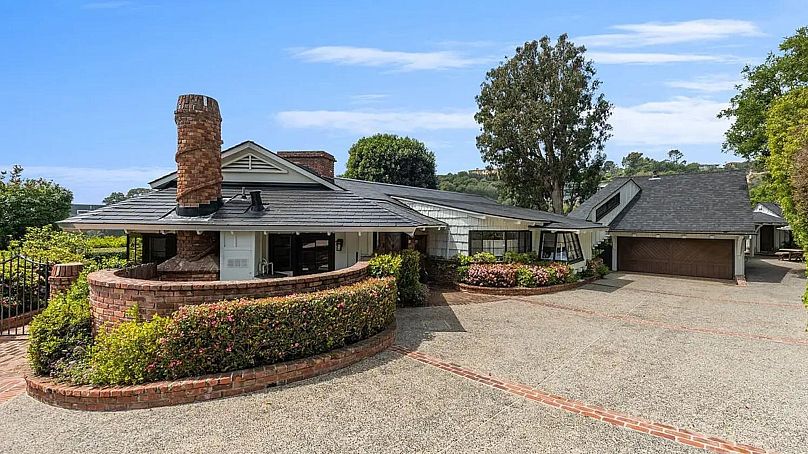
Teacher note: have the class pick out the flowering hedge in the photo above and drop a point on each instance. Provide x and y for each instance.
(247, 333)
(518, 275)
(206, 338)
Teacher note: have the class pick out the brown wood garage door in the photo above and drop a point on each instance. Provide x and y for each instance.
(701, 258)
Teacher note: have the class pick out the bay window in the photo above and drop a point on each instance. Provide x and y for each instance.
(561, 247)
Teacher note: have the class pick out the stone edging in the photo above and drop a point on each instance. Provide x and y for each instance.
(524, 291)
(213, 386)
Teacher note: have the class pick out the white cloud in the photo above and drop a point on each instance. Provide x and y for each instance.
(709, 84)
(681, 120)
(653, 58)
(655, 33)
(368, 56)
(365, 122)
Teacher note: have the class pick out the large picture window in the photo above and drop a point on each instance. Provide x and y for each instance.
(561, 247)
(498, 242)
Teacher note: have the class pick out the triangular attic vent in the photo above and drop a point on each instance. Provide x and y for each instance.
(251, 163)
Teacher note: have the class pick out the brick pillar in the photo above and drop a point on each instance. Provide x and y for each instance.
(199, 155)
(63, 275)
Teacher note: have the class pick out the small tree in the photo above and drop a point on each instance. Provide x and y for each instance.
(116, 197)
(29, 203)
(388, 158)
(544, 124)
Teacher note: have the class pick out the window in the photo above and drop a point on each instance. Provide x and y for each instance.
(316, 254)
(498, 242)
(607, 207)
(561, 247)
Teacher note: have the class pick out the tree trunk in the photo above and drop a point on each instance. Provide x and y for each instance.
(558, 197)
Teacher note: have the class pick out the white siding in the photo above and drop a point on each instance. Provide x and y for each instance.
(455, 240)
(627, 193)
(354, 246)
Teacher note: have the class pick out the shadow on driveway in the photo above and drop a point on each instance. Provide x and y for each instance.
(772, 271)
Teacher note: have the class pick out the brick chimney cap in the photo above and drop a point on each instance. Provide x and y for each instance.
(306, 154)
(197, 103)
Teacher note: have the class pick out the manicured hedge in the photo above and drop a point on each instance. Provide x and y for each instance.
(240, 334)
(518, 275)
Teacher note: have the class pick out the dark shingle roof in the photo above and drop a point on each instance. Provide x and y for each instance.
(293, 208)
(710, 202)
(583, 210)
(462, 201)
(763, 218)
(773, 207)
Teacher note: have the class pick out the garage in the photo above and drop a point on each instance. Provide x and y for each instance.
(685, 257)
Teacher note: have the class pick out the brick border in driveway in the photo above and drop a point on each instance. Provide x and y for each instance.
(615, 418)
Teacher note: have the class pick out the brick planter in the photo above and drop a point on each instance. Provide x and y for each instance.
(524, 291)
(197, 389)
(113, 292)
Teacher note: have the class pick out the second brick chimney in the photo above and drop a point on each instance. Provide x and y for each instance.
(319, 162)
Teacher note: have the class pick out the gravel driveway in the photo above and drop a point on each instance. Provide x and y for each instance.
(707, 356)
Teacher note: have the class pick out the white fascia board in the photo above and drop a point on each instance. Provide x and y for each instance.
(240, 228)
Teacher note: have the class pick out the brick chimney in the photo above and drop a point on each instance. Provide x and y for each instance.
(319, 162)
(199, 187)
(199, 155)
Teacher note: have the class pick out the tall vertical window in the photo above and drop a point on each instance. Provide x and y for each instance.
(561, 247)
(498, 242)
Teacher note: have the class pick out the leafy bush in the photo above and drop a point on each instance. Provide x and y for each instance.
(247, 333)
(52, 245)
(512, 275)
(103, 242)
(484, 257)
(127, 354)
(61, 335)
(463, 260)
(491, 275)
(526, 258)
(405, 266)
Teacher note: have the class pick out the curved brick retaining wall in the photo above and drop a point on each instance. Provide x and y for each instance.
(196, 389)
(113, 292)
(524, 291)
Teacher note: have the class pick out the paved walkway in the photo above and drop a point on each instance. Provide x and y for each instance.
(13, 366)
(633, 363)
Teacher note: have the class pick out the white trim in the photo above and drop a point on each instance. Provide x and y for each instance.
(233, 228)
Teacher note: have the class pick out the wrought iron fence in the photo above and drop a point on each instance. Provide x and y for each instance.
(24, 291)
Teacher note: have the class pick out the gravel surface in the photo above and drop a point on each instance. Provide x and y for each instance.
(750, 391)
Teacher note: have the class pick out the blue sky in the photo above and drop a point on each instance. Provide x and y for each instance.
(89, 88)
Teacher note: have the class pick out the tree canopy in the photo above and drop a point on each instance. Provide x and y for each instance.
(487, 185)
(116, 197)
(777, 75)
(29, 203)
(388, 158)
(544, 124)
(787, 132)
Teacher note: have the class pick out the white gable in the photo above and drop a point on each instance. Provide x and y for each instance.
(760, 208)
(249, 162)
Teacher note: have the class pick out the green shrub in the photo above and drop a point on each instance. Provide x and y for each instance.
(128, 353)
(525, 277)
(484, 257)
(247, 333)
(52, 245)
(405, 266)
(61, 335)
(463, 273)
(463, 260)
(526, 258)
(384, 265)
(106, 242)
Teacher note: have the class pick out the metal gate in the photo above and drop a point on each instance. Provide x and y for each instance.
(24, 292)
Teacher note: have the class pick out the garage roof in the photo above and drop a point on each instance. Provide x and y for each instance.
(708, 202)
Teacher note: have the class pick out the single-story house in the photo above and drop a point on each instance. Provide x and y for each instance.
(773, 232)
(247, 212)
(689, 224)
